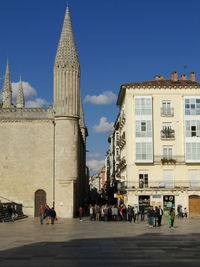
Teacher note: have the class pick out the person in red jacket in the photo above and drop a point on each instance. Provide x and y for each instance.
(80, 213)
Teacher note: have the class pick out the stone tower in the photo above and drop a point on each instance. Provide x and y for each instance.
(67, 115)
(7, 90)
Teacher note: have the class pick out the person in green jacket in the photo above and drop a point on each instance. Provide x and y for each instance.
(171, 218)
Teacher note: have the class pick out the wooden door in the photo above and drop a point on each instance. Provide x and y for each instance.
(194, 205)
(40, 199)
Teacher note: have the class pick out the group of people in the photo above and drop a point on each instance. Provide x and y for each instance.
(47, 214)
(182, 213)
(129, 213)
(116, 213)
(7, 214)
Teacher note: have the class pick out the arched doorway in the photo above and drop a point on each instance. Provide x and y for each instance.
(40, 199)
(194, 205)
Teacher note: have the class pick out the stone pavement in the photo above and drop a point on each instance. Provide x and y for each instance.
(73, 243)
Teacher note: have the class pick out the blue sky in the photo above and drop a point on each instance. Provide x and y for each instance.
(118, 41)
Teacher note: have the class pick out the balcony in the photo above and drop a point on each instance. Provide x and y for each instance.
(163, 185)
(167, 112)
(173, 159)
(167, 134)
(121, 164)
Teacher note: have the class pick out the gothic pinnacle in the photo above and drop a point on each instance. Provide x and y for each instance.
(7, 89)
(66, 52)
(20, 95)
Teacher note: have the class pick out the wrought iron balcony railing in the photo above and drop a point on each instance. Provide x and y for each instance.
(172, 159)
(163, 185)
(167, 133)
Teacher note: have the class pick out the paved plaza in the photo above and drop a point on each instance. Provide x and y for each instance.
(73, 243)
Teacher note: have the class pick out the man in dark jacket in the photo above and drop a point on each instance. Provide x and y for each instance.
(160, 215)
(130, 213)
(151, 214)
(53, 215)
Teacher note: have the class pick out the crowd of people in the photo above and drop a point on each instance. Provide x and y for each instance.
(153, 215)
(47, 214)
(135, 213)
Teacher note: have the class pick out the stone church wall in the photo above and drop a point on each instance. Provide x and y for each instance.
(26, 161)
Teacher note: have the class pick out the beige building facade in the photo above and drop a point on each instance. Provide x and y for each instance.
(43, 149)
(158, 142)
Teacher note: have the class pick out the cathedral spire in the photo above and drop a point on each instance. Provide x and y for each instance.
(66, 51)
(20, 95)
(67, 73)
(7, 89)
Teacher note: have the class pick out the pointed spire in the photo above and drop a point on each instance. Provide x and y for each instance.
(20, 96)
(66, 52)
(7, 89)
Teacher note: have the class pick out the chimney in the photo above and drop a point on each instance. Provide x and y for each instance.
(159, 77)
(175, 76)
(184, 77)
(192, 77)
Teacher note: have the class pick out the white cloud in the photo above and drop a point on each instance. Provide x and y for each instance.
(94, 155)
(95, 165)
(105, 98)
(29, 91)
(38, 102)
(104, 126)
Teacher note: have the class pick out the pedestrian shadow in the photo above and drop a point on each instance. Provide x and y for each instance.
(150, 249)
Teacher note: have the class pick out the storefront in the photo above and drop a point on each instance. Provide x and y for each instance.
(144, 201)
(168, 202)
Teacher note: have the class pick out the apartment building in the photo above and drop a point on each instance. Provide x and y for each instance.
(157, 142)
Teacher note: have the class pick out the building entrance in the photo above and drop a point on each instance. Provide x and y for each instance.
(40, 199)
(144, 201)
(168, 202)
(194, 205)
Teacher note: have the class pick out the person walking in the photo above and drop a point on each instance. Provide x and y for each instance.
(105, 213)
(98, 212)
(47, 214)
(185, 213)
(91, 213)
(171, 218)
(130, 213)
(160, 216)
(135, 211)
(52, 215)
(156, 216)
(41, 214)
(151, 214)
(81, 214)
(141, 212)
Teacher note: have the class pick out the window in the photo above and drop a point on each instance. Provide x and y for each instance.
(167, 152)
(166, 108)
(168, 178)
(143, 126)
(192, 106)
(143, 106)
(143, 129)
(144, 151)
(193, 178)
(192, 151)
(167, 125)
(192, 128)
(193, 131)
(143, 179)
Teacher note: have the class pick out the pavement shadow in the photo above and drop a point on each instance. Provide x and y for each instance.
(141, 250)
